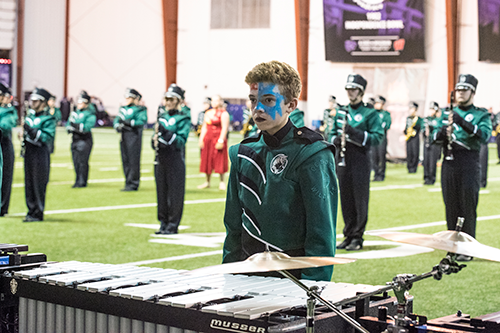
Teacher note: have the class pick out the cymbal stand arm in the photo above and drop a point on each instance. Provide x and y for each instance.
(312, 293)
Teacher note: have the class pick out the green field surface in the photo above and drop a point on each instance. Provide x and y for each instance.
(91, 224)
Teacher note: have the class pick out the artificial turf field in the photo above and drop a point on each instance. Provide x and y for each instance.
(90, 224)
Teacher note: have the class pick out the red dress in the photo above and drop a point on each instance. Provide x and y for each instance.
(213, 160)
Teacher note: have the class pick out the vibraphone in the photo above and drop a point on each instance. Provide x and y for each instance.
(91, 297)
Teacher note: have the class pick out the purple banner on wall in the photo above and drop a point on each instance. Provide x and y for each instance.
(374, 30)
(489, 30)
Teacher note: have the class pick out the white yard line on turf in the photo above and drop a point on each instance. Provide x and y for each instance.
(186, 256)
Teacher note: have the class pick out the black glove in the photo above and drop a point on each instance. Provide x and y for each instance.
(74, 125)
(167, 135)
(127, 122)
(442, 134)
(119, 128)
(355, 135)
(337, 142)
(26, 127)
(31, 132)
(468, 127)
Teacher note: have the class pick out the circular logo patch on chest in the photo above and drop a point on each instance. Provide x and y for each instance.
(278, 164)
(358, 117)
(469, 117)
(36, 121)
(171, 121)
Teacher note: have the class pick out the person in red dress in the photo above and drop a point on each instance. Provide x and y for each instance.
(213, 142)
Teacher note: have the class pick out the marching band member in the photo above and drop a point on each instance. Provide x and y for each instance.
(129, 122)
(285, 162)
(329, 118)
(39, 128)
(470, 127)
(379, 151)
(432, 153)
(169, 140)
(8, 120)
(359, 127)
(80, 123)
(412, 134)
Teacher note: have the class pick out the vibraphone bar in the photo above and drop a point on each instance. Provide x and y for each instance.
(91, 297)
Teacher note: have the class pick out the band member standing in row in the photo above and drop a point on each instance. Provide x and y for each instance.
(285, 163)
(470, 127)
(496, 132)
(56, 113)
(80, 123)
(379, 151)
(412, 134)
(129, 122)
(432, 152)
(329, 118)
(39, 128)
(8, 120)
(170, 137)
(357, 129)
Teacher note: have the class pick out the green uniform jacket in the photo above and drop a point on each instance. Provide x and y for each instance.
(179, 124)
(84, 119)
(418, 125)
(8, 119)
(385, 119)
(363, 118)
(56, 113)
(297, 118)
(284, 195)
(479, 117)
(137, 114)
(185, 110)
(45, 124)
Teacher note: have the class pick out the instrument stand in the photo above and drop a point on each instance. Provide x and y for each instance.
(311, 292)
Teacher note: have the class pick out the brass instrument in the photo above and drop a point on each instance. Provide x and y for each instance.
(343, 138)
(156, 135)
(448, 153)
(22, 134)
(410, 131)
(496, 131)
(247, 125)
(427, 133)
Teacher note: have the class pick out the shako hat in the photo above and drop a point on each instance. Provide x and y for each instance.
(380, 99)
(466, 81)
(132, 93)
(83, 97)
(434, 105)
(413, 105)
(175, 91)
(355, 81)
(40, 94)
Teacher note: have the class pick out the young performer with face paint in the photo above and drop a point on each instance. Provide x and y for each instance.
(282, 191)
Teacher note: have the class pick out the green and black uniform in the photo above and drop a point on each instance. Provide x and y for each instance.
(413, 143)
(379, 151)
(432, 152)
(496, 124)
(460, 176)
(297, 118)
(39, 130)
(130, 122)
(80, 124)
(328, 123)
(282, 193)
(363, 130)
(56, 113)
(170, 167)
(8, 120)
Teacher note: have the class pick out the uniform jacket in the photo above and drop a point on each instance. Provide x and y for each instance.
(297, 118)
(418, 125)
(385, 119)
(45, 124)
(282, 193)
(137, 114)
(84, 119)
(177, 123)
(8, 119)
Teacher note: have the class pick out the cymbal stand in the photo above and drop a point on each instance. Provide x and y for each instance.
(313, 295)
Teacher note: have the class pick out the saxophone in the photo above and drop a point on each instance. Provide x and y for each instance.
(410, 131)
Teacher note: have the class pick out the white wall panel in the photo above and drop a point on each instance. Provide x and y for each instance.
(44, 45)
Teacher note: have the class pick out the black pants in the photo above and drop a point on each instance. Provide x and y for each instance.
(378, 159)
(483, 161)
(130, 146)
(354, 184)
(497, 139)
(460, 185)
(412, 152)
(80, 150)
(7, 172)
(36, 177)
(170, 175)
(432, 153)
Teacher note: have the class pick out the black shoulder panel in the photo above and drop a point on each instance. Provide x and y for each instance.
(253, 138)
(306, 135)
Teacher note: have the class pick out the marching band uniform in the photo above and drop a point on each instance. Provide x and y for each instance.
(496, 126)
(460, 175)
(39, 129)
(8, 120)
(483, 164)
(413, 123)
(80, 123)
(329, 118)
(297, 166)
(379, 151)
(363, 130)
(56, 113)
(129, 122)
(170, 168)
(432, 152)
(297, 118)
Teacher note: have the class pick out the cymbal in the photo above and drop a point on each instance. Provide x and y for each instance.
(449, 240)
(270, 261)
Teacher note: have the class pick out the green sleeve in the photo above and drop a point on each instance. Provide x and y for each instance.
(57, 114)
(232, 251)
(186, 111)
(89, 122)
(486, 127)
(8, 120)
(297, 118)
(375, 132)
(117, 120)
(141, 117)
(420, 123)
(318, 184)
(47, 130)
(388, 120)
(182, 132)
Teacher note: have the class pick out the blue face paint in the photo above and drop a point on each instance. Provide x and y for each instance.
(270, 89)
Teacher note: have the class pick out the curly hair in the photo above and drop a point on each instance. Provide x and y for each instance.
(278, 73)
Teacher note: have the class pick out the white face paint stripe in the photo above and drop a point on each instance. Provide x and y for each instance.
(252, 191)
(261, 240)
(255, 164)
(253, 223)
